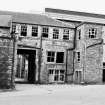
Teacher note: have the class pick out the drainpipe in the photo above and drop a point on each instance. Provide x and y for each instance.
(40, 58)
(70, 49)
(13, 60)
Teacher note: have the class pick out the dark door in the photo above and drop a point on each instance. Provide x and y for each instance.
(31, 68)
(103, 75)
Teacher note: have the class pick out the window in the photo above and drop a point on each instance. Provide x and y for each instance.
(60, 57)
(56, 75)
(23, 30)
(66, 34)
(13, 28)
(45, 31)
(78, 56)
(79, 34)
(103, 64)
(51, 71)
(57, 57)
(50, 56)
(34, 31)
(92, 33)
(55, 33)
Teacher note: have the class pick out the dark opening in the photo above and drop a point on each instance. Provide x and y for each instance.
(103, 75)
(28, 55)
(103, 71)
(60, 57)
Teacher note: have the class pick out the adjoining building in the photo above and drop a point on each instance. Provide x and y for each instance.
(89, 47)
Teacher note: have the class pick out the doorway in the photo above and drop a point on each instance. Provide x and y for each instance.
(104, 75)
(26, 67)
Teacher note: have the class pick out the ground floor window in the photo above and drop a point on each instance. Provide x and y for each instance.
(56, 75)
(78, 76)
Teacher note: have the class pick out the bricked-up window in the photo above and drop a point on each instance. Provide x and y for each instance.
(78, 56)
(23, 30)
(79, 34)
(55, 33)
(50, 56)
(60, 57)
(45, 32)
(66, 34)
(35, 31)
(13, 28)
(92, 32)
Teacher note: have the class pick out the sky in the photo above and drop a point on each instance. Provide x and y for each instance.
(92, 6)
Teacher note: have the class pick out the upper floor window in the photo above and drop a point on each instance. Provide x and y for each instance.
(78, 56)
(92, 32)
(79, 34)
(60, 57)
(13, 28)
(66, 34)
(50, 56)
(23, 30)
(35, 31)
(55, 33)
(45, 31)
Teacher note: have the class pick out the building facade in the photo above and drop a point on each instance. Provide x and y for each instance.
(58, 47)
(89, 47)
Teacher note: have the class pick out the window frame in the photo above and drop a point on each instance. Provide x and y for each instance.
(78, 56)
(57, 75)
(23, 30)
(51, 57)
(92, 33)
(55, 57)
(79, 34)
(34, 31)
(55, 33)
(13, 28)
(66, 35)
(45, 32)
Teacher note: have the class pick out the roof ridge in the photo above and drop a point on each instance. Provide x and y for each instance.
(75, 12)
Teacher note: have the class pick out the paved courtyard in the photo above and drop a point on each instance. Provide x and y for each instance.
(26, 94)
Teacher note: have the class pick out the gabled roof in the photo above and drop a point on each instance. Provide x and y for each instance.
(5, 20)
(74, 13)
(34, 19)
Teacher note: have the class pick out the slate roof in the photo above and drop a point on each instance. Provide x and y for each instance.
(34, 19)
(74, 13)
(5, 20)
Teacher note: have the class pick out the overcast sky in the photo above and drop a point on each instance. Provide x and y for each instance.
(93, 6)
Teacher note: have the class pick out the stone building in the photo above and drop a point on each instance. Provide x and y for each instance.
(89, 47)
(44, 48)
(59, 46)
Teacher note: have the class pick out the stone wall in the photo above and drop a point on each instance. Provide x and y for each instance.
(6, 62)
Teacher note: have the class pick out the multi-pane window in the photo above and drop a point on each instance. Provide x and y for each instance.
(66, 34)
(60, 57)
(56, 75)
(23, 30)
(79, 34)
(45, 32)
(57, 57)
(13, 28)
(92, 32)
(78, 56)
(55, 33)
(50, 56)
(35, 31)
